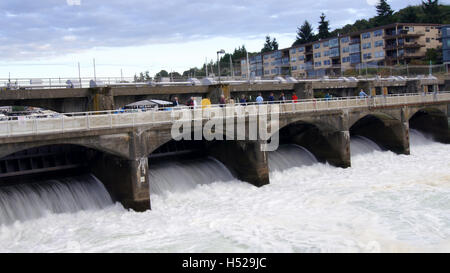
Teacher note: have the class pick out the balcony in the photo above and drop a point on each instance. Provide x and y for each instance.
(402, 34)
(404, 45)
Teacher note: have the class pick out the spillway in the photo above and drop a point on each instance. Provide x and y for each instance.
(40, 198)
(183, 175)
(288, 156)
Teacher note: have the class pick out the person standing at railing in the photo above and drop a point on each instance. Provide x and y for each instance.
(259, 99)
(243, 100)
(191, 102)
(222, 101)
(175, 102)
(363, 94)
(271, 98)
(282, 98)
(294, 97)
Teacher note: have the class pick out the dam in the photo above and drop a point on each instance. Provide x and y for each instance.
(124, 150)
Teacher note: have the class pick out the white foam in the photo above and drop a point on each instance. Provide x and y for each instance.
(384, 202)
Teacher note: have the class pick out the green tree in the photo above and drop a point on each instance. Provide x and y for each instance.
(432, 12)
(274, 44)
(162, 73)
(305, 34)
(270, 45)
(434, 55)
(384, 13)
(324, 28)
(408, 15)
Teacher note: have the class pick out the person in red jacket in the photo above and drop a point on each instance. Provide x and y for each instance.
(294, 97)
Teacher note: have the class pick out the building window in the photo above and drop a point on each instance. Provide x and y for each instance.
(334, 43)
(365, 35)
(346, 59)
(300, 49)
(317, 63)
(345, 40)
(243, 62)
(367, 56)
(293, 51)
(354, 48)
(377, 33)
(355, 58)
(293, 59)
(366, 45)
(428, 40)
(317, 45)
(326, 62)
(301, 58)
(379, 43)
(379, 54)
(345, 49)
(317, 55)
(326, 53)
(294, 68)
(325, 44)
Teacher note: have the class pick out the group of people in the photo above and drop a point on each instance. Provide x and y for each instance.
(270, 99)
(259, 99)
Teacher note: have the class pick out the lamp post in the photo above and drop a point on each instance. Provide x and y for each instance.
(218, 62)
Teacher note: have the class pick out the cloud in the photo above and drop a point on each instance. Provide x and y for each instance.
(46, 28)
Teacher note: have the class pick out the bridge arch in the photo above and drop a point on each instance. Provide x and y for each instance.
(327, 142)
(242, 157)
(432, 121)
(386, 131)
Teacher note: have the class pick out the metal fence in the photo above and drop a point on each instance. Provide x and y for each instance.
(35, 125)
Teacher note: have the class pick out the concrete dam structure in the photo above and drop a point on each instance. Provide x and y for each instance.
(118, 148)
(66, 100)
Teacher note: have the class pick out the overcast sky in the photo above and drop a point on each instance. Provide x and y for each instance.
(47, 38)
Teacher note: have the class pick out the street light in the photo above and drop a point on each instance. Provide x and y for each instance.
(218, 62)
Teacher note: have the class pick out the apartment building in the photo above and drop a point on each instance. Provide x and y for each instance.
(445, 30)
(399, 43)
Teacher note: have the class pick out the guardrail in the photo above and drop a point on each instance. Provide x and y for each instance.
(85, 121)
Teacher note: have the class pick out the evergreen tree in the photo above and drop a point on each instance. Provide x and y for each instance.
(267, 45)
(305, 34)
(274, 44)
(384, 13)
(432, 12)
(270, 45)
(324, 28)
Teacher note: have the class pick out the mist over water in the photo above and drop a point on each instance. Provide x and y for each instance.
(384, 202)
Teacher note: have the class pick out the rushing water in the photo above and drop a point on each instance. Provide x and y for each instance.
(33, 200)
(384, 202)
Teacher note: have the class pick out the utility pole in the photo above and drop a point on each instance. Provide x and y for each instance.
(79, 73)
(231, 67)
(95, 74)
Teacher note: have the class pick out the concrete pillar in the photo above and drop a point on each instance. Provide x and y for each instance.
(331, 146)
(126, 180)
(304, 90)
(244, 158)
(100, 98)
(413, 86)
(214, 92)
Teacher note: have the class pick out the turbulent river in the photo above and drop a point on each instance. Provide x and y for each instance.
(384, 202)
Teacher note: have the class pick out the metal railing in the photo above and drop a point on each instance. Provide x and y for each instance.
(70, 122)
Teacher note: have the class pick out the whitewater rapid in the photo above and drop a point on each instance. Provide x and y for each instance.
(384, 202)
